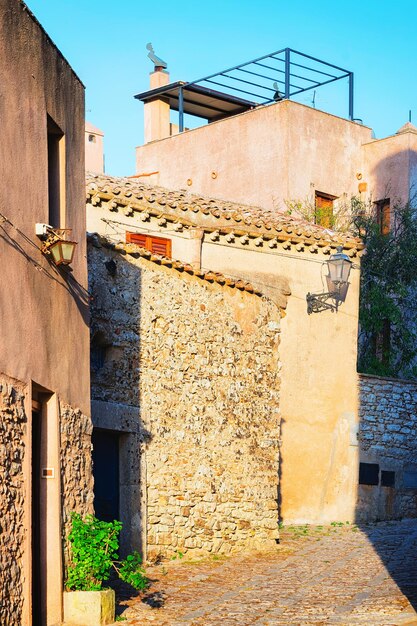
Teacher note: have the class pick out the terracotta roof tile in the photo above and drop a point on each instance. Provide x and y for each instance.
(211, 214)
(138, 251)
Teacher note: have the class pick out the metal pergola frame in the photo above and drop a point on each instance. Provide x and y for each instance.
(284, 67)
(270, 78)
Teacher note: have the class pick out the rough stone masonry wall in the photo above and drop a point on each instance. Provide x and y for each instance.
(201, 361)
(13, 426)
(388, 437)
(76, 466)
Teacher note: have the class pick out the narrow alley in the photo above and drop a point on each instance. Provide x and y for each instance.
(340, 574)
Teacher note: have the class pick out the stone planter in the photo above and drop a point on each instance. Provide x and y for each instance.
(89, 608)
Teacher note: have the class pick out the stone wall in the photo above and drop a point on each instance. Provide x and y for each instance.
(200, 361)
(388, 438)
(13, 425)
(76, 467)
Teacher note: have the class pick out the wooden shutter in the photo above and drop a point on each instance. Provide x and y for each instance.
(157, 245)
(383, 215)
(324, 210)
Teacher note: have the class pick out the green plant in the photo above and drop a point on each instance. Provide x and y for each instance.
(388, 339)
(177, 555)
(94, 551)
(131, 571)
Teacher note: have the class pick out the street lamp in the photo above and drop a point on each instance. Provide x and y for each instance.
(54, 243)
(339, 266)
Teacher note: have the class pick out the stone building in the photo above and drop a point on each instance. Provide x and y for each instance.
(44, 359)
(185, 403)
(283, 258)
(388, 448)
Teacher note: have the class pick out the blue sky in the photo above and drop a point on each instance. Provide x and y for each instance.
(105, 43)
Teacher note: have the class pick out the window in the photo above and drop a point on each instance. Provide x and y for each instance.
(323, 211)
(56, 175)
(157, 245)
(387, 478)
(368, 473)
(92, 138)
(99, 350)
(383, 215)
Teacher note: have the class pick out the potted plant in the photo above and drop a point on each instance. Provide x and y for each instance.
(94, 552)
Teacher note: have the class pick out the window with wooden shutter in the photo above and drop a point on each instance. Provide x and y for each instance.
(383, 215)
(323, 214)
(157, 245)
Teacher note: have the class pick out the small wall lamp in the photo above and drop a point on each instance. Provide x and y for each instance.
(339, 266)
(54, 243)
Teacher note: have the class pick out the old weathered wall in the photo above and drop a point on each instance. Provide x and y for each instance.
(319, 397)
(388, 438)
(76, 467)
(52, 326)
(13, 425)
(16, 496)
(201, 362)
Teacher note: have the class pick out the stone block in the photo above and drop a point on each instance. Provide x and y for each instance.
(89, 608)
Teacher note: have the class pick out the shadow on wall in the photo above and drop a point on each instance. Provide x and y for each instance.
(395, 177)
(387, 489)
(194, 363)
(387, 476)
(30, 251)
(118, 434)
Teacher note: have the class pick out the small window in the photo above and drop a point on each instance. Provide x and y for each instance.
(387, 478)
(323, 212)
(157, 245)
(383, 215)
(56, 174)
(98, 351)
(92, 138)
(368, 474)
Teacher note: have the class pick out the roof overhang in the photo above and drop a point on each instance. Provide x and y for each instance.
(200, 101)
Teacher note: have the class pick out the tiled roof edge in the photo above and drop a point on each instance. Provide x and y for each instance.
(245, 226)
(212, 277)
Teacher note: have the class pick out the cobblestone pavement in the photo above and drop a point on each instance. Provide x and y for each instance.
(318, 575)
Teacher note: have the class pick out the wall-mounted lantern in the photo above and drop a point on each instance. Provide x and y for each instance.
(55, 243)
(339, 266)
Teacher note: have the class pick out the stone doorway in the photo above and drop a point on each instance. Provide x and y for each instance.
(106, 471)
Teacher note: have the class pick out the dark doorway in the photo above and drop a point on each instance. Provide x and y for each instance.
(106, 474)
(36, 516)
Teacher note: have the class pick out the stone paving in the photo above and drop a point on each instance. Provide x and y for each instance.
(318, 575)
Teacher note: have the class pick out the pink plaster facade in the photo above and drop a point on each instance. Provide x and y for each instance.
(390, 166)
(94, 149)
(268, 156)
(278, 155)
(44, 350)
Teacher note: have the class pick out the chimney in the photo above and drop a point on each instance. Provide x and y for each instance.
(157, 111)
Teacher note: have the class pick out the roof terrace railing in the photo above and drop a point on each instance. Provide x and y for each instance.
(293, 71)
(278, 76)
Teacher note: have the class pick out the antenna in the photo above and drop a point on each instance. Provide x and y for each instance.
(313, 100)
(409, 116)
